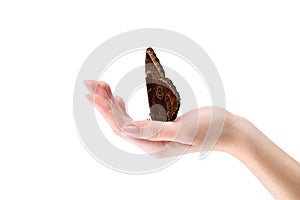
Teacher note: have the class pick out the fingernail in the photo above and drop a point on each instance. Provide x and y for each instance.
(89, 97)
(132, 131)
(102, 83)
(91, 85)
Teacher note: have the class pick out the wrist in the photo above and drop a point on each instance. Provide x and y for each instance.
(234, 139)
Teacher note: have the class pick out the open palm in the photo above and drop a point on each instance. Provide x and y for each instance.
(160, 139)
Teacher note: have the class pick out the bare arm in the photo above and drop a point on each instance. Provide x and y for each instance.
(275, 169)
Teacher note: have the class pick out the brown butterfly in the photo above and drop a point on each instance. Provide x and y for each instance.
(163, 98)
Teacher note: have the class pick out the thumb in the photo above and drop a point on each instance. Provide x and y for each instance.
(154, 130)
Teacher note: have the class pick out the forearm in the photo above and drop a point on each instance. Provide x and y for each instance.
(276, 170)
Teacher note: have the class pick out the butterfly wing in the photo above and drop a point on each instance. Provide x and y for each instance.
(163, 98)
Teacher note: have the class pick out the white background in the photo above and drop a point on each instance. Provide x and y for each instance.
(254, 45)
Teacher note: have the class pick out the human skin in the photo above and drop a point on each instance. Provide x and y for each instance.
(275, 169)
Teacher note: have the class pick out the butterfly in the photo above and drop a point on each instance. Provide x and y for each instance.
(163, 98)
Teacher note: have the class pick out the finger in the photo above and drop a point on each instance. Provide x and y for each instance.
(121, 103)
(113, 116)
(100, 102)
(103, 89)
(106, 88)
(91, 85)
(95, 87)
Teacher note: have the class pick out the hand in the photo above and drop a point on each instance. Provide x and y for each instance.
(160, 139)
(279, 172)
